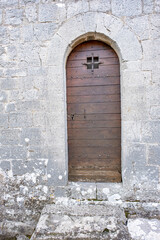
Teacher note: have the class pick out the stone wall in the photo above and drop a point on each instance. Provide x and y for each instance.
(36, 36)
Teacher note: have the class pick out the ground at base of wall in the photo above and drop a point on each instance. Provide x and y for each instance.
(75, 219)
(91, 219)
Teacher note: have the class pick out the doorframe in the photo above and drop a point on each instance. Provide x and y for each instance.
(118, 37)
(90, 37)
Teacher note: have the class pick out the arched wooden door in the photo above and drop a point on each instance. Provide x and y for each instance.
(94, 113)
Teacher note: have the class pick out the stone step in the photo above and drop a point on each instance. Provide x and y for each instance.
(81, 220)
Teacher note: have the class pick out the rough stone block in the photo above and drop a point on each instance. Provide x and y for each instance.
(5, 152)
(80, 221)
(10, 107)
(131, 131)
(148, 6)
(13, 228)
(3, 120)
(140, 26)
(135, 78)
(10, 137)
(112, 192)
(14, 34)
(154, 155)
(31, 56)
(18, 152)
(28, 106)
(155, 112)
(15, 72)
(77, 7)
(39, 120)
(155, 26)
(33, 167)
(101, 5)
(134, 164)
(82, 190)
(44, 31)
(74, 27)
(15, 95)
(27, 34)
(3, 35)
(151, 131)
(153, 90)
(142, 228)
(31, 94)
(133, 101)
(157, 5)
(124, 38)
(0, 16)
(5, 165)
(3, 96)
(20, 120)
(14, 16)
(89, 24)
(1, 107)
(151, 176)
(8, 3)
(37, 152)
(25, 2)
(37, 71)
(126, 7)
(31, 136)
(8, 84)
(48, 12)
(31, 13)
(2, 50)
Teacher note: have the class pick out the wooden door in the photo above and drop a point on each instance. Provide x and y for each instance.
(94, 113)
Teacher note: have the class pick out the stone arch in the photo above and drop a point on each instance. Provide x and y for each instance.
(91, 25)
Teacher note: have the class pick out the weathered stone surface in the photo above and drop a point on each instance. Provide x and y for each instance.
(3, 35)
(10, 137)
(151, 131)
(48, 12)
(140, 26)
(100, 5)
(25, 2)
(36, 37)
(5, 165)
(27, 33)
(20, 120)
(144, 229)
(11, 229)
(35, 168)
(14, 16)
(81, 221)
(157, 6)
(3, 96)
(148, 6)
(0, 16)
(44, 31)
(31, 13)
(3, 120)
(31, 136)
(10, 107)
(8, 3)
(76, 7)
(127, 7)
(124, 38)
(154, 155)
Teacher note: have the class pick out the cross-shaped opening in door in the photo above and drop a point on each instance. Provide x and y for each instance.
(92, 62)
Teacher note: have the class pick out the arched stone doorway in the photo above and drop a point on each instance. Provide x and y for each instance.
(94, 113)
